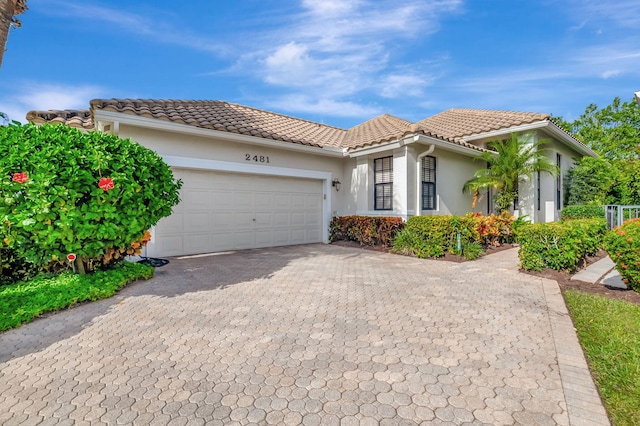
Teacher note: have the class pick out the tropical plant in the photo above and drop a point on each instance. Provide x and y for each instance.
(513, 162)
(64, 191)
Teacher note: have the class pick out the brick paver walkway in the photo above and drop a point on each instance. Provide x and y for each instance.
(307, 335)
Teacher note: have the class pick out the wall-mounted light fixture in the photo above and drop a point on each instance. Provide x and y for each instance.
(336, 184)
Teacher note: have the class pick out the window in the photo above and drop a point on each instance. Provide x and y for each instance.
(383, 183)
(559, 182)
(428, 183)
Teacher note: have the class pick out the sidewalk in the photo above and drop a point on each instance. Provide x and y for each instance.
(603, 271)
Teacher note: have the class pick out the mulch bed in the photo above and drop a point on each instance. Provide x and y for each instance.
(563, 278)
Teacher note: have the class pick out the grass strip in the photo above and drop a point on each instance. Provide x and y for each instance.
(609, 332)
(23, 301)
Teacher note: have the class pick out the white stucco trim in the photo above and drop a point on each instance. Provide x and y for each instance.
(169, 126)
(410, 139)
(228, 166)
(637, 95)
(547, 125)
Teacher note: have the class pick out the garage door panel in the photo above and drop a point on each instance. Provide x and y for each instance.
(244, 221)
(281, 219)
(196, 243)
(264, 201)
(313, 202)
(223, 221)
(264, 238)
(195, 222)
(298, 219)
(264, 220)
(298, 201)
(245, 240)
(222, 200)
(298, 236)
(221, 211)
(171, 225)
(281, 201)
(244, 201)
(313, 219)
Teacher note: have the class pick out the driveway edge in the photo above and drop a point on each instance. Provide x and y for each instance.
(584, 404)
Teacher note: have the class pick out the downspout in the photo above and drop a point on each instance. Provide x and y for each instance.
(418, 186)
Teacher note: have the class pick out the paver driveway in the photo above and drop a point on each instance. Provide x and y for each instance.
(309, 334)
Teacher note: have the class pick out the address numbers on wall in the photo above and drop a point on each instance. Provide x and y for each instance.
(256, 158)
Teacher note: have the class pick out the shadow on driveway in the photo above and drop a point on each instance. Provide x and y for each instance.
(179, 277)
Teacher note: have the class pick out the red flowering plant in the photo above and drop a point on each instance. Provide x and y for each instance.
(623, 246)
(20, 177)
(68, 191)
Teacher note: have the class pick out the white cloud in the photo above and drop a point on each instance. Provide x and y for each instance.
(306, 104)
(336, 49)
(623, 13)
(30, 96)
(134, 23)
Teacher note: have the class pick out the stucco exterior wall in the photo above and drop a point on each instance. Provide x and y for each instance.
(198, 147)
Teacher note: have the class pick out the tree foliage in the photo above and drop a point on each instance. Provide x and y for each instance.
(614, 133)
(89, 193)
(517, 160)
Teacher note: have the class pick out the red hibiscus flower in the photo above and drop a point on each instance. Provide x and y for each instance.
(106, 183)
(21, 177)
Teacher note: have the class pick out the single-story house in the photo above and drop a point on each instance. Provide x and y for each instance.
(254, 178)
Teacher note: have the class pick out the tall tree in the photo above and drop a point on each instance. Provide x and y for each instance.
(517, 159)
(612, 131)
(9, 10)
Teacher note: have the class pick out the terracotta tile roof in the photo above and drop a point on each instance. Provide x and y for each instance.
(379, 129)
(456, 123)
(80, 119)
(227, 117)
(450, 126)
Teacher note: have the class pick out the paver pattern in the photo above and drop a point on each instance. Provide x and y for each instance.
(313, 335)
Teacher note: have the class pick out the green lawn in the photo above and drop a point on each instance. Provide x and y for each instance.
(21, 302)
(609, 331)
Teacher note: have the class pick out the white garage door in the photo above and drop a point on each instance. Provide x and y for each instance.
(223, 211)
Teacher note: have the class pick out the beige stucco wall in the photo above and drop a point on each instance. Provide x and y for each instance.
(452, 171)
(210, 148)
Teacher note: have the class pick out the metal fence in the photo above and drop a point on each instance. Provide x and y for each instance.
(617, 214)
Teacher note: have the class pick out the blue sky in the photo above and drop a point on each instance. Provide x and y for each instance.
(339, 62)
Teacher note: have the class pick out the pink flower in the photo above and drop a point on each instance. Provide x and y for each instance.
(21, 177)
(105, 183)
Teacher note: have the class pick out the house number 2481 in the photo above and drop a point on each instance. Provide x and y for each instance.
(256, 158)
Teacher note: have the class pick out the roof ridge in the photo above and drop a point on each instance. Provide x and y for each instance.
(485, 110)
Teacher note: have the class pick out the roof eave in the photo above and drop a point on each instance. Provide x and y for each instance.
(100, 116)
(414, 138)
(547, 125)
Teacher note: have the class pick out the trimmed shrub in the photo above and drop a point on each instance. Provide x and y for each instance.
(559, 245)
(433, 236)
(366, 230)
(584, 211)
(623, 246)
(65, 191)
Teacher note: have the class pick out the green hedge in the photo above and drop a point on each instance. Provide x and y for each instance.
(433, 236)
(559, 245)
(366, 230)
(623, 246)
(582, 212)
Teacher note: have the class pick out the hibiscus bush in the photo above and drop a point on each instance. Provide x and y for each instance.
(66, 191)
(623, 246)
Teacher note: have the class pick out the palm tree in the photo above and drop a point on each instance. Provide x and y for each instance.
(517, 159)
(9, 9)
